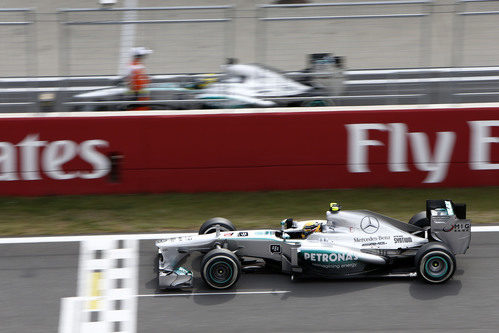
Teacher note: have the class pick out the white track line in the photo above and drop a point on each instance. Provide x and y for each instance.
(492, 228)
(368, 108)
(219, 293)
(425, 80)
(61, 239)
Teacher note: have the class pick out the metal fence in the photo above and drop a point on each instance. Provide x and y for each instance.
(17, 57)
(18, 43)
(359, 31)
(395, 36)
(369, 34)
(475, 30)
(184, 39)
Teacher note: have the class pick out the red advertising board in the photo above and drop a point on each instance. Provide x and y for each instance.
(249, 150)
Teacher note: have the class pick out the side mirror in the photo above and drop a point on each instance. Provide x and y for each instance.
(283, 225)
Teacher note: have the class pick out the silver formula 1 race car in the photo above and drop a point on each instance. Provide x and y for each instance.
(355, 243)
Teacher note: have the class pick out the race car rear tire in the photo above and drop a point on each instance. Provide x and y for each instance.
(435, 263)
(210, 226)
(220, 268)
(317, 102)
(420, 220)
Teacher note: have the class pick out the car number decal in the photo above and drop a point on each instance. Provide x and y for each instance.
(275, 248)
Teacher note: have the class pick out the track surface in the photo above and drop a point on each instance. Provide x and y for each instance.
(33, 278)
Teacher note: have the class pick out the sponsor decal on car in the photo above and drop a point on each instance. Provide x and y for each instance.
(275, 248)
(326, 240)
(177, 239)
(243, 234)
(329, 257)
(369, 224)
(370, 239)
(459, 227)
(402, 239)
(374, 244)
(227, 234)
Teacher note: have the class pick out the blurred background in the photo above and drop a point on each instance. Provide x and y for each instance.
(381, 53)
(393, 52)
(60, 39)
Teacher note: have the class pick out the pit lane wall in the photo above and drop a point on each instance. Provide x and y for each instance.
(269, 149)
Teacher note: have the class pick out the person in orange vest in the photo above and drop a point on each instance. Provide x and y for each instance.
(137, 79)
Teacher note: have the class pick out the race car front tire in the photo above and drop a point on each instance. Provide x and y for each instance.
(435, 263)
(210, 226)
(220, 268)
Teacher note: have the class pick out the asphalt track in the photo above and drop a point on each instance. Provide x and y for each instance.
(34, 277)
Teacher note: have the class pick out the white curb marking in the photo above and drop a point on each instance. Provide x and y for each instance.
(107, 288)
(219, 293)
(62, 239)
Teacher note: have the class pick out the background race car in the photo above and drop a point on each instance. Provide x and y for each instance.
(239, 85)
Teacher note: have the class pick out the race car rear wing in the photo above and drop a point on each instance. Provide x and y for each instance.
(449, 224)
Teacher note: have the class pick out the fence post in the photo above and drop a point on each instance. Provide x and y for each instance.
(62, 18)
(457, 46)
(426, 48)
(31, 54)
(229, 42)
(127, 35)
(261, 34)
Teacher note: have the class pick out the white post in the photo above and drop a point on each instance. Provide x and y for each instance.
(127, 35)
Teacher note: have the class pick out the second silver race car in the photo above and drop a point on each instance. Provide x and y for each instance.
(356, 243)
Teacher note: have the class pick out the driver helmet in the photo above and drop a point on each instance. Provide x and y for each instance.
(203, 81)
(310, 228)
(334, 207)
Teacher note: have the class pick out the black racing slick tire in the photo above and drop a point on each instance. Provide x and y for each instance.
(317, 102)
(220, 268)
(210, 226)
(420, 220)
(435, 263)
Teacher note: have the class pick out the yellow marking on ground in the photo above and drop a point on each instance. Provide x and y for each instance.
(94, 303)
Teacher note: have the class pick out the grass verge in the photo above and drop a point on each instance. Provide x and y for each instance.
(161, 212)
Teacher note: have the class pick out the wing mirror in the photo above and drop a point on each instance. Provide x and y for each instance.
(283, 225)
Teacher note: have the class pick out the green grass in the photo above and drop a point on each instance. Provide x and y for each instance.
(173, 211)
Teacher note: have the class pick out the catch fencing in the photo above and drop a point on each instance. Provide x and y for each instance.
(188, 39)
(362, 31)
(18, 43)
(475, 30)
(92, 39)
(403, 38)
(18, 57)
